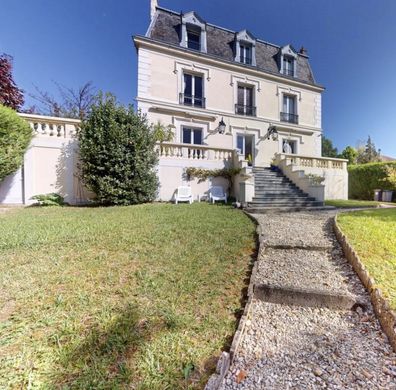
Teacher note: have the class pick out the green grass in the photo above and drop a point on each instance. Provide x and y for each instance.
(352, 203)
(373, 235)
(141, 297)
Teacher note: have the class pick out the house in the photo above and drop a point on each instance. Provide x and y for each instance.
(232, 99)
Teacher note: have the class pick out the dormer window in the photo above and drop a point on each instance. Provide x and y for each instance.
(245, 53)
(245, 48)
(288, 61)
(193, 32)
(288, 65)
(193, 38)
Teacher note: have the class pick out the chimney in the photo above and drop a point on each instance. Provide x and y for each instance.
(153, 8)
(303, 51)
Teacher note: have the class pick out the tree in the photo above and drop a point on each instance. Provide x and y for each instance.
(10, 95)
(350, 154)
(15, 136)
(117, 154)
(368, 153)
(73, 103)
(328, 150)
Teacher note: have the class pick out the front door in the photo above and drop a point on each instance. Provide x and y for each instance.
(245, 146)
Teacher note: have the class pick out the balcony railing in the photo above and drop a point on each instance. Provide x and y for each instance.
(190, 100)
(241, 109)
(173, 151)
(288, 117)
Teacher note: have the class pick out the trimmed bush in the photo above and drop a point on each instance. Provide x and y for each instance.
(117, 154)
(15, 136)
(365, 178)
(52, 199)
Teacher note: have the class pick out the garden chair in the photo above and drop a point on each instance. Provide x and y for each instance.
(183, 194)
(217, 193)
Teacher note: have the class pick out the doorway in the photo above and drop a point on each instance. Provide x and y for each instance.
(245, 146)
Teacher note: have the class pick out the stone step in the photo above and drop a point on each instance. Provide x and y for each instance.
(276, 209)
(285, 204)
(283, 198)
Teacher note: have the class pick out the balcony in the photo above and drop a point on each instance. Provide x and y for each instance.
(193, 101)
(241, 109)
(289, 117)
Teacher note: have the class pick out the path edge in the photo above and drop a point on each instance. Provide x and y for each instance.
(227, 358)
(384, 313)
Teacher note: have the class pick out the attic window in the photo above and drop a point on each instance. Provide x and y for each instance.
(193, 38)
(193, 32)
(288, 61)
(245, 53)
(245, 48)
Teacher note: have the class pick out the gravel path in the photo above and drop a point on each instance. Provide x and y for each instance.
(285, 347)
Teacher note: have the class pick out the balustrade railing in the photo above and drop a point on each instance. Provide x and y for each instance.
(52, 127)
(313, 162)
(193, 152)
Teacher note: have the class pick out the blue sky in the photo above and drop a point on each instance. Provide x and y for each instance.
(351, 44)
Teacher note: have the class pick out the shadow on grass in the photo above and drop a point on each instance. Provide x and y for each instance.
(100, 360)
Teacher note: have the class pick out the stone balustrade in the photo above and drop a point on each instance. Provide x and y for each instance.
(313, 162)
(52, 127)
(193, 152)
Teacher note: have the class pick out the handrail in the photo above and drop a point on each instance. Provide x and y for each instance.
(314, 157)
(195, 146)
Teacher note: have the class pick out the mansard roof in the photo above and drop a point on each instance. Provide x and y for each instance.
(166, 27)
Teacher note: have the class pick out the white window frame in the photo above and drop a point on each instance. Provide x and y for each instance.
(245, 87)
(192, 19)
(290, 96)
(244, 38)
(192, 128)
(288, 51)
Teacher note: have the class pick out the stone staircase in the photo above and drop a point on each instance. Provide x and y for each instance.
(275, 192)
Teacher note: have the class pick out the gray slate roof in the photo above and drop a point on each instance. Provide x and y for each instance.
(220, 43)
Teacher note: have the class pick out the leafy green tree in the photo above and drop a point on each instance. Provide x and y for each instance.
(328, 150)
(368, 153)
(117, 154)
(15, 136)
(350, 154)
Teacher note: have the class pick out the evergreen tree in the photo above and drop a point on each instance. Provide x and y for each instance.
(368, 154)
(350, 154)
(328, 150)
(117, 154)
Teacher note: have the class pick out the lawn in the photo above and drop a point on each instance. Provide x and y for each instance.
(353, 203)
(141, 297)
(373, 235)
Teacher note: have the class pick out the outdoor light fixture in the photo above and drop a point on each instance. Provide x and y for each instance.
(222, 127)
(272, 132)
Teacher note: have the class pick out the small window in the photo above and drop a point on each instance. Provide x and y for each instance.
(193, 38)
(192, 136)
(245, 54)
(288, 65)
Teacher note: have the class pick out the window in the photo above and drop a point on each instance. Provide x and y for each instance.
(193, 32)
(244, 104)
(192, 91)
(245, 48)
(193, 38)
(287, 60)
(192, 136)
(245, 54)
(289, 146)
(288, 65)
(289, 109)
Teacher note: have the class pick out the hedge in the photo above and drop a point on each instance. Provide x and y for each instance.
(365, 178)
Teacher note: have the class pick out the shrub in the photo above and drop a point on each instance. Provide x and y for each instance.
(117, 154)
(52, 199)
(15, 136)
(365, 178)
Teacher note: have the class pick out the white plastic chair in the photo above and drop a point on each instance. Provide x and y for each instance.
(183, 194)
(217, 193)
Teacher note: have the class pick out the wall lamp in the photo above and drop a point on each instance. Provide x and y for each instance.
(272, 132)
(221, 128)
